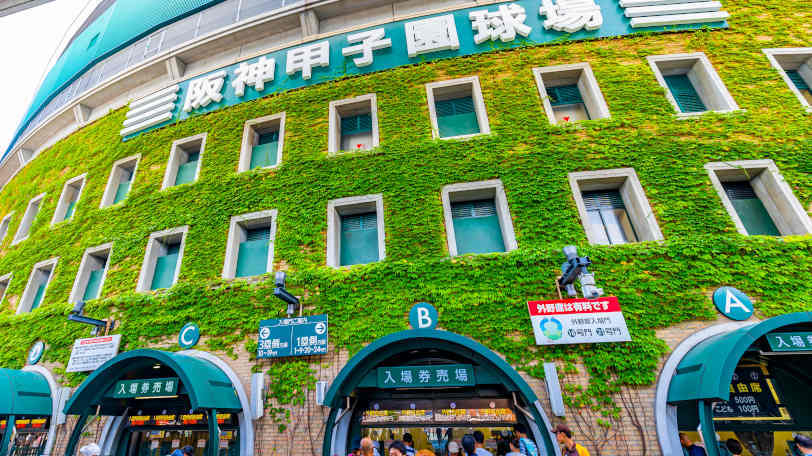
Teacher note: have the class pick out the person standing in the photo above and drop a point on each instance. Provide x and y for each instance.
(568, 445)
(690, 447)
(409, 442)
(804, 444)
(514, 447)
(468, 445)
(453, 448)
(734, 446)
(479, 443)
(367, 447)
(397, 448)
(526, 446)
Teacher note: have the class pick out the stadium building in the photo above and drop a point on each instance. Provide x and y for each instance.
(414, 169)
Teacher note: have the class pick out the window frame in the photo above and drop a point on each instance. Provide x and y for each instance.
(173, 165)
(233, 242)
(789, 215)
(249, 135)
(83, 273)
(110, 189)
(352, 204)
(594, 102)
(336, 106)
(627, 183)
(28, 219)
(478, 190)
(773, 55)
(6, 278)
(61, 206)
(710, 87)
(476, 95)
(28, 292)
(151, 255)
(5, 224)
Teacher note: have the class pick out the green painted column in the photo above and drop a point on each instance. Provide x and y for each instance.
(214, 433)
(7, 435)
(707, 429)
(70, 449)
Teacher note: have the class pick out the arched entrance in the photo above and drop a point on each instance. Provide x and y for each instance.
(746, 382)
(29, 401)
(363, 400)
(160, 401)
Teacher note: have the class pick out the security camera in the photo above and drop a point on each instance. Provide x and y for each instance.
(279, 279)
(576, 268)
(283, 294)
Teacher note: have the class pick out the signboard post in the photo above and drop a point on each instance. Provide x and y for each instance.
(578, 321)
(302, 336)
(88, 354)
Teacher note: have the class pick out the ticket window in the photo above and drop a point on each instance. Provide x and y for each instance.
(30, 434)
(160, 437)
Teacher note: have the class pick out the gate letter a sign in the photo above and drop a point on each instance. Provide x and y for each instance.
(732, 301)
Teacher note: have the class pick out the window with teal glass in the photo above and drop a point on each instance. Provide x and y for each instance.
(750, 209)
(165, 265)
(69, 210)
(266, 151)
(359, 239)
(456, 117)
(43, 284)
(252, 257)
(356, 132)
(564, 95)
(123, 188)
(93, 284)
(800, 84)
(684, 93)
(476, 227)
(608, 220)
(187, 172)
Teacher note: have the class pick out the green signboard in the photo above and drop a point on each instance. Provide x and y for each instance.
(790, 341)
(426, 376)
(146, 387)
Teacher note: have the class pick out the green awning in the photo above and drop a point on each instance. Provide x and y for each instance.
(706, 371)
(24, 393)
(207, 386)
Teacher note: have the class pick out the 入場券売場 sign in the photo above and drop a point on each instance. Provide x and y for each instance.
(426, 376)
(147, 387)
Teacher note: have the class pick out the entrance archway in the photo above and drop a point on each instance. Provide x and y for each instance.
(28, 411)
(356, 387)
(205, 407)
(714, 381)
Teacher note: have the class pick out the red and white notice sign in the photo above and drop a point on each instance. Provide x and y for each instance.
(88, 354)
(578, 321)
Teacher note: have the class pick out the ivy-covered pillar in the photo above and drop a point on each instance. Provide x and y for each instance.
(7, 435)
(707, 429)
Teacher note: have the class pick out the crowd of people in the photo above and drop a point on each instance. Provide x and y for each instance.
(732, 447)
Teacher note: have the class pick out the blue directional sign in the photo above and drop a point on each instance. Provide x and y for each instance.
(301, 336)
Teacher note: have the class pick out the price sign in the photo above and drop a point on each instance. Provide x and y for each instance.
(753, 397)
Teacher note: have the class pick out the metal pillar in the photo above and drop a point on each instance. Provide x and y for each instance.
(214, 433)
(7, 435)
(707, 429)
(70, 449)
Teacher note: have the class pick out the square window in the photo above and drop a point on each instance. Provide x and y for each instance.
(4, 224)
(5, 281)
(457, 109)
(570, 93)
(34, 292)
(249, 251)
(354, 124)
(691, 83)
(758, 199)
(355, 231)
(184, 161)
(163, 258)
(92, 272)
(262, 142)
(66, 206)
(120, 181)
(795, 66)
(477, 218)
(28, 219)
(613, 207)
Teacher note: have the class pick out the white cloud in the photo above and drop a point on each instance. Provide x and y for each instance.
(29, 39)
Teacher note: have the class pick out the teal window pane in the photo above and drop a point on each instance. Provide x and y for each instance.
(476, 227)
(456, 117)
(121, 192)
(684, 93)
(40, 291)
(353, 125)
(264, 154)
(607, 218)
(750, 209)
(93, 284)
(164, 275)
(69, 210)
(564, 95)
(252, 258)
(359, 239)
(800, 84)
(188, 170)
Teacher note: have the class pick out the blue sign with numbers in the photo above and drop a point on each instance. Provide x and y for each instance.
(300, 336)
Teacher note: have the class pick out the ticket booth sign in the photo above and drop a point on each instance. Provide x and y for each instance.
(302, 336)
(578, 321)
(149, 387)
(753, 397)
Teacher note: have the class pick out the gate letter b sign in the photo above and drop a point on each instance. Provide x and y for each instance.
(423, 316)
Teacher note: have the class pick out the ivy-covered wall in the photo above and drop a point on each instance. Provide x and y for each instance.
(483, 296)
